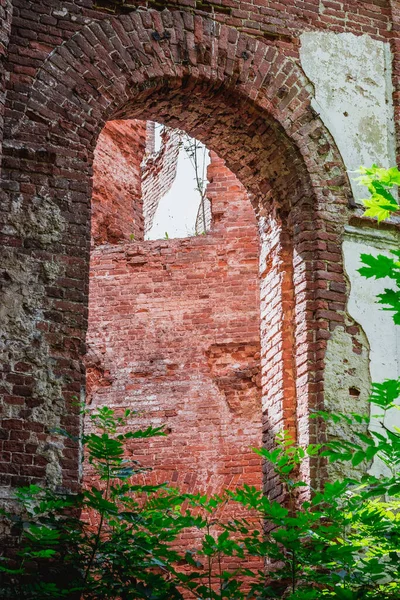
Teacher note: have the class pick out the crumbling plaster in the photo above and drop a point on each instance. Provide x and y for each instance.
(383, 336)
(353, 95)
(347, 386)
(352, 78)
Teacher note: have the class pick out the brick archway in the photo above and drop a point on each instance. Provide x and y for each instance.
(243, 99)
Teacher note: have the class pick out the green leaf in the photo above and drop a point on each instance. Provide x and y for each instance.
(386, 393)
(378, 208)
(358, 457)
(377, 266)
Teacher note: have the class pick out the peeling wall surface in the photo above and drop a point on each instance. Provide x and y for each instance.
(352, 79)
(347, 386)
(383, 336)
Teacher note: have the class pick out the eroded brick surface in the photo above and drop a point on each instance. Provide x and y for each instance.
(5, 27)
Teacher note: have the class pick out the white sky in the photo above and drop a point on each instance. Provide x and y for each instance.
(177, 211)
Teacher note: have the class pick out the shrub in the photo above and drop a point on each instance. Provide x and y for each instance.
(342, 542)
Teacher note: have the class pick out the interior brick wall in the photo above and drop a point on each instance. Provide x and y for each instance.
(174, 334)
(117, 205)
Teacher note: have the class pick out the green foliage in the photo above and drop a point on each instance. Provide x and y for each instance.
(339, 542)
(380, 267)
(382, 205)
(379, 182)
(126, 554)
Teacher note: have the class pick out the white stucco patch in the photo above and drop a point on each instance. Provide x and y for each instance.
(383, 336)
(353, 95)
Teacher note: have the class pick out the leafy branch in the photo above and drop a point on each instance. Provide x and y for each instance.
(196, 152)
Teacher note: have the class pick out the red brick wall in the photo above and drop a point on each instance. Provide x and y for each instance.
(5, 27)
(230, 78)
(174, 333)
(281, 21)
(117, 206)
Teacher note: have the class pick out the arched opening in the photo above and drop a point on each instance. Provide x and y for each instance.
(250, 105)
(215, 120)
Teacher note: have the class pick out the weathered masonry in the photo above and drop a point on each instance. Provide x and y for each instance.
(174, 329)
(292, 97)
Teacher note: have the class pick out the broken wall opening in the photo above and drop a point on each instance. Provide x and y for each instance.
(174, 184)
(150, 182)
(174, 324)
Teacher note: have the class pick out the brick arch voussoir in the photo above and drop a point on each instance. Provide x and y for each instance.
(86, 79)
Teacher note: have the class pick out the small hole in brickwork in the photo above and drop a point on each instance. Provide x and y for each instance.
(354, 392)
